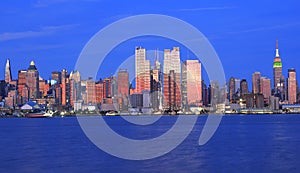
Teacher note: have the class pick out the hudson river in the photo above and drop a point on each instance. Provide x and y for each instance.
(254, 143)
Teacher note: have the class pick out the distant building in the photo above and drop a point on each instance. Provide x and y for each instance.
(142, 70)
(123, 90)
(99, 89)
(191, 83)
(22, 94)
(56, 75)
(75, 87)
(8, 77)
(234, 89)
(244, 87)
(292, 86)
(32, 81)
(172, 79)
(205, 94)
(136, 100)
(123, 83)
(90, 91)
(256, 82)
(279, 81)
(254, 101)
(277, 68)
(265, 88)
(65, 88)
(274, 103)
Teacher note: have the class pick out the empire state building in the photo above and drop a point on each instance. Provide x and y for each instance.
(277, 69)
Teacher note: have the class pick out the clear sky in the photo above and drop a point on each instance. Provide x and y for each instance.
(53, 32)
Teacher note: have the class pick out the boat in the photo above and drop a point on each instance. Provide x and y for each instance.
(39, 115)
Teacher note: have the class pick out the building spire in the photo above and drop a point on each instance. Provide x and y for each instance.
(277, 49)
(8, 77)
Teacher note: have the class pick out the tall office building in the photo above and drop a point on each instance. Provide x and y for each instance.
(172, 85)
(32, 81)
(123, 83)
(231, 89)
(142, 70)
(123, 89)
(277, 69)
(244, 87)
(90, 91)
(99, 89)
(65, 88)
(75, 87)
(292, 86)
(8, 76)
(56, 75)
(22, 93)
(191, 83)
(156, 83)
(265, 89)
(255, 82)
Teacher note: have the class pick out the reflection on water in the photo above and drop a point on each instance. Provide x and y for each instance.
(241, 144)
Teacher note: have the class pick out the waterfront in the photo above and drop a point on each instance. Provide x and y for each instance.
(254, 143)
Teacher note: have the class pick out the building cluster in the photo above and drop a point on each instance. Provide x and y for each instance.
(173, 86)
(264, 94)
(170, 88)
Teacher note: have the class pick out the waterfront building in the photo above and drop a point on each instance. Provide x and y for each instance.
(172, 80)
(292, 86)
(136, 100)
(191, 83)
(254, 101)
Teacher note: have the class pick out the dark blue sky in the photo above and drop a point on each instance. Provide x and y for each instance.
(243, 33)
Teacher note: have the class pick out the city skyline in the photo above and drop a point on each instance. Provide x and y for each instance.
(170, 86)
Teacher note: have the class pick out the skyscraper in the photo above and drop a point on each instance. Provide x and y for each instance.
(244, 87)
(277, 69)
(123, 89)
(90, 91)
(32, 81)
(231, 89)
(265, 89)
(255, 82)
(65, 88)
(56, 75)
(292, 86)
(172, 73)
(8, 76)
(142, 70)
(22, 88)
(123, 83)
(191, 83)
(99, 89)
(75, 87)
